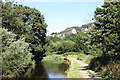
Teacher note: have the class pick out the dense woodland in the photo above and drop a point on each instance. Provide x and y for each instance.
(24, 40)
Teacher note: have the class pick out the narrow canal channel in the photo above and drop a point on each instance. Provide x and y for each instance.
(47, 69)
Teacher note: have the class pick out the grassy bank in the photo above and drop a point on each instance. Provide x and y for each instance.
(85, 58)
(79, 56)
(53, 57)
(73, 71)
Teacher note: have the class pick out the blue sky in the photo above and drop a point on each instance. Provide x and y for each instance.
(61, 15)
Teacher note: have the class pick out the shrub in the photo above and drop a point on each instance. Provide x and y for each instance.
(107, 66)
(15, 54)
(62, 47)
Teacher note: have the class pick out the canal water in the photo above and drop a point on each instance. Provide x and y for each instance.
(48, 69)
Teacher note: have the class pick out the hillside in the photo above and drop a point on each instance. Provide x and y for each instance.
(82, 28)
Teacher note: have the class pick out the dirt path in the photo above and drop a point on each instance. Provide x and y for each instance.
(83, 70)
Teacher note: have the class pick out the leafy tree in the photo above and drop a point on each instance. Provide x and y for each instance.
(107, 28)
(26, 22)
(105, 37)
(81, 39)
(71, 37)
(82, 42)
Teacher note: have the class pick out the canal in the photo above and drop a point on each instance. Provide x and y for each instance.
(48, 69)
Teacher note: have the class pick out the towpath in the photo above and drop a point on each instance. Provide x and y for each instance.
(84, 68)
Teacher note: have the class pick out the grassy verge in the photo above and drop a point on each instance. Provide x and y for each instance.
(54, 57)
(73, 71)
(85, 58)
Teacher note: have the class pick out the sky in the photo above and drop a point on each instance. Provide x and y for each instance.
(61, 14)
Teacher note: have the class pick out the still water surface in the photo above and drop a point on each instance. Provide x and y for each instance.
(47, 69)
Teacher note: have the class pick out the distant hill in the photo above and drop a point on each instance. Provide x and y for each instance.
(83, 28)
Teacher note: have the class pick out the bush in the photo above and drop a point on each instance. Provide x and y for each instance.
(62, 47)
(15, 54)
(107, 66)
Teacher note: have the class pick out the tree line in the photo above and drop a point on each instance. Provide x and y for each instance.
(23, 33)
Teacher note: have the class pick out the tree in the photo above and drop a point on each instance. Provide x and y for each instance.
(82, 42)
(107, 28)
(26, 22)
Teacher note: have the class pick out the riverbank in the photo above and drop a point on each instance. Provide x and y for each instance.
(73, 71)
(53, 57)
(80, 69)
(78, 65)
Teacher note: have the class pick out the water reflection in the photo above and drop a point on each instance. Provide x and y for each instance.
(47, 69)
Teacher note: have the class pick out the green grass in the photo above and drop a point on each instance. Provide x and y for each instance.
(92, 75)
(70, 53)
(85, 58)
(54, 57)
(73, 71)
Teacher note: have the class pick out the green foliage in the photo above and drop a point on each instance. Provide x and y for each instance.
(74, 27)
(70, 53)
(105, 40)
(15, 54)
(50, 53)
(54, 57)
(50, 39)
(107, 28)
(71, 37)
(26, 22)
(70, 43)
(62, 47)
(82, 43)
(88, 26)
(85, 58)
(79, 29)
(108, 67)
(73, 71)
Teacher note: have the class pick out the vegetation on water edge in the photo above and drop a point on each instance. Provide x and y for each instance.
(15, 54)
(23, 32)
(73, 71)
(25, 22)
(80, 56)
(54, 57)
